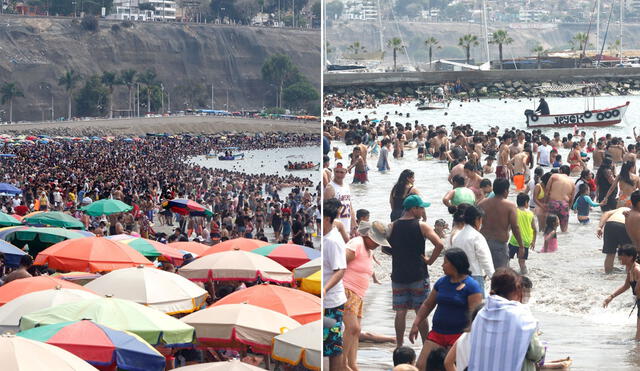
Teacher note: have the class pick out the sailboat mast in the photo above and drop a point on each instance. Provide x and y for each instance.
(597, 24)
(485, 30)
(621, 12)
(380, 27)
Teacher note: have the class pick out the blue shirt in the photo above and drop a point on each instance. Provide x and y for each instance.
(452, 305)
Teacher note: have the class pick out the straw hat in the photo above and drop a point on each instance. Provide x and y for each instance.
(375, 231)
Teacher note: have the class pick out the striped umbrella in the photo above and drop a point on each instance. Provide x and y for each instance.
(242, 244)
(184, 206)
(7, 220)
(53, 219)
(291, 256)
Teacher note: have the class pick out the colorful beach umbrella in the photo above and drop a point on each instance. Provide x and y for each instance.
(307, 269)
(244, 244)
(20, 354)
(193, 247)
(150, 249)
(150, 324)
(184, 206)
(11, 312)
(90, 254)
(24, 286)
(7, 189)
(299, 305)
(165, 291)
(45, 235)
(106, 207)
(312, 284)
(300, 345)
(235, 266)
(290, 256)
(99, 345)
(233, 365)
(12, 254)
(238, 326)
(7, 220)
(53, 219)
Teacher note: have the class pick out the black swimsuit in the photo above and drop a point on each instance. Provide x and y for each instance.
(633, 290)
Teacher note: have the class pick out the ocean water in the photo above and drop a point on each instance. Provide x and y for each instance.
(569, 285)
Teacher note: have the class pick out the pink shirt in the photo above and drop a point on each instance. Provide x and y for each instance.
(360, 269)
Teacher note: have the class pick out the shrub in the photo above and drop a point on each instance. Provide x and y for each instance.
(115, 28)
(89, 23)
(127, 24)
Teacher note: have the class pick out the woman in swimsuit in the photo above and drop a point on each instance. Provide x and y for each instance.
(628, 182)
(627, 256)
(574, 159)
(538, 199)
(401, 190)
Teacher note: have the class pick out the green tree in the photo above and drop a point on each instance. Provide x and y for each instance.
(69, 81)
(110, 80)
(395, 44)
(128, 78)
(153, 96)
(356, 48)
(539, 51)
(9, 91)
(466, 42)
(316, 10)
(92, 99)
(277, 69)
(580, 40)
(299, 94)
(431, 42)
(334, 9)
(500, 37)
(148, 78)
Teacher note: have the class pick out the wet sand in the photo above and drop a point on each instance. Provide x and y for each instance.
(169, 125)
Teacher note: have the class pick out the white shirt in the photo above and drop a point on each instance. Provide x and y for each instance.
(544, 152)
(343, 194)
(475, 246)
(463, 350)
(333, 258)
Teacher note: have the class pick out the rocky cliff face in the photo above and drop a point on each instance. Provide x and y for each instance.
(35, 52)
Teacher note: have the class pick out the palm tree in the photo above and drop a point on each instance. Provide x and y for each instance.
(395, 44)
(466, 42)
(128, 78)
(356, 48)
(500, 37)
(69, 80)
(539, 50)
(614, 48)
(148, 78)
(431, 42)
(10, 90)
(110, 80)
(581, 40)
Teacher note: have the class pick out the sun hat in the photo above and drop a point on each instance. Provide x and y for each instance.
(414, 201)
(375, 230)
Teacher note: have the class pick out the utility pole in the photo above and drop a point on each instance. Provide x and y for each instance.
(598, 26)
(212, 96)
(169, 100)
(227, 99)
(162, 99)
(53, 116)
(138, 99)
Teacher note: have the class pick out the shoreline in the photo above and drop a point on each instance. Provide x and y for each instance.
(157, 125)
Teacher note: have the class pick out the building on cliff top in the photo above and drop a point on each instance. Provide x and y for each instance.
(163, 10)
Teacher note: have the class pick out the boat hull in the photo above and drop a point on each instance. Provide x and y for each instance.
(596, 118)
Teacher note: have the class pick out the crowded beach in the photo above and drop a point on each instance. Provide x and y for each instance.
(120, 252)
(451, 222)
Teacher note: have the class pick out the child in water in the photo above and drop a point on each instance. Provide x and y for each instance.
(550, 237)
(583, 203)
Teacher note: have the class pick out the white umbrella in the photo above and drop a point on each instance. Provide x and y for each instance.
(165, 291)
(308, 268)
(20, 354)
(11, 312)
(238, 325)
(234, 365)
(302, 344)
(235, 265)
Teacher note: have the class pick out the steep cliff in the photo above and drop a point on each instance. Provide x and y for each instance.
(35, 52)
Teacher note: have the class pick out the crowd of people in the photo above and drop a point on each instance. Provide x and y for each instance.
(65, 174)
(488, 230)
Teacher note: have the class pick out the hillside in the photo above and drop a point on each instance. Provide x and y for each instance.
(35, 52)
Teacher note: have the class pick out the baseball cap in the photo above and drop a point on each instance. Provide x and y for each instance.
(414, 201)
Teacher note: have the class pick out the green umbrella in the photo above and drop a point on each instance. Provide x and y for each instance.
(106, 207)
(54, 219)
(7, 220)
(150, 324)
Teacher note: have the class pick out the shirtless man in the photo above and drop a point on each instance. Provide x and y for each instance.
(616, 151)
(632, 222)
(502, 170)
(598, 155)
(473, 180)
(559, 195)
(631, 154)
(519, 163)
(357, 161)
(457, 170)
(363, 149)
(500, 217)
(439, 140)
(516, 147)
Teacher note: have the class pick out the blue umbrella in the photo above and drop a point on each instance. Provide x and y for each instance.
(11, 253)
(8, 189)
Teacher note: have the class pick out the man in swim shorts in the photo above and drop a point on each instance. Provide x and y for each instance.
(558, 194)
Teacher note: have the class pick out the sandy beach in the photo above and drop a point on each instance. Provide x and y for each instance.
(169, 125)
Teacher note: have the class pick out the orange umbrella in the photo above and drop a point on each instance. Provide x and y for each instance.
(23, 286)
(244, 244)
(90, 254)
(299, 305)
(192, 247)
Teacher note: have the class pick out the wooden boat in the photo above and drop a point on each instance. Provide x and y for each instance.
(432, 106)
(239, 156)
(315, 167)
(601, 117)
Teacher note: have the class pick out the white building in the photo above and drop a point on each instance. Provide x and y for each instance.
(361, 9)
(130, 10)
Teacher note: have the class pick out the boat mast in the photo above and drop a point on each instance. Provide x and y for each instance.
(621, 12)
(485, 30)
(380, 27)
(597, 24)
